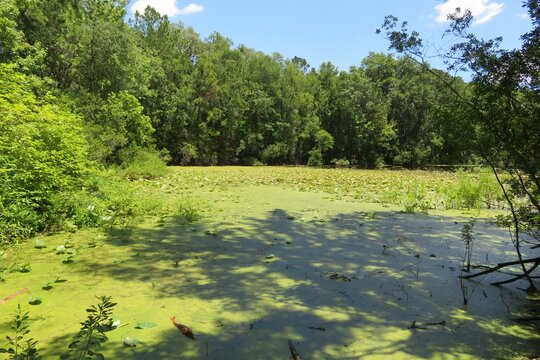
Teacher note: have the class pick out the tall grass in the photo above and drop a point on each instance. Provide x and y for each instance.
(473, 190)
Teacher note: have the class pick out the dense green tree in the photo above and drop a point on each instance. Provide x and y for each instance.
(11, 39)
(212, 103)
(116, 127)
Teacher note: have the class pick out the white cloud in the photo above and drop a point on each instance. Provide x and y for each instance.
(166, 7)
(482, 10)
(191, 9)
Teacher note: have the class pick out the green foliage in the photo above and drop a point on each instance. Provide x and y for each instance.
(145, 164)
(10, 37)
(117, 128)
(465, 193)
(88, 341)
(43, 155)
(315, 158)
(341, 163)
(108, 199)
(20, 348)
(417, 199)
(324, 142)
(473, 190)
(188, 211)
(152, 82)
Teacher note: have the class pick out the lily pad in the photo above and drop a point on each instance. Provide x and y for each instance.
(47, 286)
(40, 244)
(145, 325)
(131, 342)
(35, 300)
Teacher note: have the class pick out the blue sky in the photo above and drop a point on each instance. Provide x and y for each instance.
(340, 31)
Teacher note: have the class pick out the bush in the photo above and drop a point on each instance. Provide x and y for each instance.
(252, 161)
(341, 163)
(187, 211)
(144, 164)
(490, 192)
(472, 190)
(315, 158)
(417, 199)
(42, 154)
(108, 200)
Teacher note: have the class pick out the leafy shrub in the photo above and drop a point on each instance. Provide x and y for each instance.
(108, 199)
(341, 163)
(417, 199)
(144, 164)
(490, 191)
(188, 211)
(472, 190)
(42, 154)
(465, 193)
(315, 158)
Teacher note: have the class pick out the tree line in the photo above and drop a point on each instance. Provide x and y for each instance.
(153, 85)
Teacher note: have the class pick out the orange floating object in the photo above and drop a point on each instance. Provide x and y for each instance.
(183, 328)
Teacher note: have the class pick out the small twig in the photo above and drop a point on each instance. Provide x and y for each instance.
(294, 353)
(414, 325)
(14, 295)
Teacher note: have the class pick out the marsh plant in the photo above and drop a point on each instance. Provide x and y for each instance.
(473, 190)
(187, 211)
(20, 348)
(417, 199)
(87, 342)
(467, 236)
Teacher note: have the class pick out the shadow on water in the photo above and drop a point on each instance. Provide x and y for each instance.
(340, 287)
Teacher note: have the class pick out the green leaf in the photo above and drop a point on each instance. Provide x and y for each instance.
(145, 325)
(47, 286)
(35, 300)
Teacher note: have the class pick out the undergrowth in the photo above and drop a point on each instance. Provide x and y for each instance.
(85, 345)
